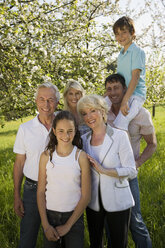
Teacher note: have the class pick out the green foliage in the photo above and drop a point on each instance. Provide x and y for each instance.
(54, 41)
(49, 42)
(155, 80)
(151, 182)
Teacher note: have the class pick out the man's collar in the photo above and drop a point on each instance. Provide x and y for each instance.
(37, 121)
(111, 110)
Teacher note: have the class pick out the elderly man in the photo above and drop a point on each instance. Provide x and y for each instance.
(140, 126)
(29, 144)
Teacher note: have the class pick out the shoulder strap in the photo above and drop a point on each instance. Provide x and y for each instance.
(78, 151)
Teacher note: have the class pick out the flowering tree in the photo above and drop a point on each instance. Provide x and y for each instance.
(54, 41)
(155, 81)
(48, 41)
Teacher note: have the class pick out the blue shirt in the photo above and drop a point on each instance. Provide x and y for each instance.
(133, 58)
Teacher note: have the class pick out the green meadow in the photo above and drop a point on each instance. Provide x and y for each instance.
(151, 182)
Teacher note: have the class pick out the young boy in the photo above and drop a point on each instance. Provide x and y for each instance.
(131, 65)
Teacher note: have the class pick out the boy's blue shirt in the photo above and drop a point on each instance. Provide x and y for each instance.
(133, 58)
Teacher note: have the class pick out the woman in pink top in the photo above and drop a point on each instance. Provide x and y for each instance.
(63, 185)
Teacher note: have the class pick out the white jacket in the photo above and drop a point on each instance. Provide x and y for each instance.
(116, 153)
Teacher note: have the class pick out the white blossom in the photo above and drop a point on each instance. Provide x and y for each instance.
(53, 58)
(46, 78)
(82, 82)
(30, 28)
(44, 51)
(35, 68)
(26, 51)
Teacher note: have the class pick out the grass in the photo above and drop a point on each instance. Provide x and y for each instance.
(152, 184)
(151, 181)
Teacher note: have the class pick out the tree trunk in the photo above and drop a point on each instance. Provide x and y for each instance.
(153, 111)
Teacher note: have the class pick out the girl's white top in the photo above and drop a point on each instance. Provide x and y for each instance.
(63, 189)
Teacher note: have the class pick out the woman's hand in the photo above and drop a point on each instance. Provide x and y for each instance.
(100, 169)
(51, 233)
(96, 165)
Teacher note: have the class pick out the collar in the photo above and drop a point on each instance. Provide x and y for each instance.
(110, 111)
(109, 131)
(130, 48)
(37, 122)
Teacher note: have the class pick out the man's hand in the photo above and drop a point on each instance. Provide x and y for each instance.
(18, 176)
(18, 207)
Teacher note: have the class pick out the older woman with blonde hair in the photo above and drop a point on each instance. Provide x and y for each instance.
(112, 163)
(72, 93)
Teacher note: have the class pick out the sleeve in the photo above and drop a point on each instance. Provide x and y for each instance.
(19, 146)
(138, 59)
(127, 160)
(145, 123)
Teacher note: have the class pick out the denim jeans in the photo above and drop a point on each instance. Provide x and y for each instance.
(30, 223)
(140, 234)
(73, 239)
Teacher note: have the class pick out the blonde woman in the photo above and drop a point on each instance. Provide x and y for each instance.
(72, 94)
(112, 163)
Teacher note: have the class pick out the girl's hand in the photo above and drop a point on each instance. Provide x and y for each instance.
(63, 229)
(95, 164)
(51, 233)
(124, 108)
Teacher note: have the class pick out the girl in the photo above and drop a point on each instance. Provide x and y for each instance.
(63, 185)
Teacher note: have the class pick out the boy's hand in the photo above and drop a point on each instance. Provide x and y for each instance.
(124, 108)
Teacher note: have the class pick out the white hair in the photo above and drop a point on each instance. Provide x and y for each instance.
(51, 86)
(93, 101)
